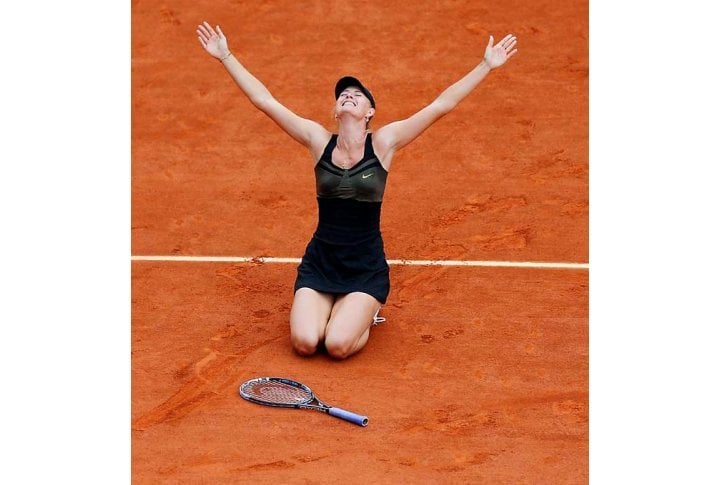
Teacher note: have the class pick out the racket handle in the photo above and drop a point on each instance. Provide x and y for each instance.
(348, 416)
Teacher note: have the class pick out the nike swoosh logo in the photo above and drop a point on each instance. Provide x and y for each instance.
(367, 175)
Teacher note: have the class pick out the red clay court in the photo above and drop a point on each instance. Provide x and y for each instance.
(480, 374)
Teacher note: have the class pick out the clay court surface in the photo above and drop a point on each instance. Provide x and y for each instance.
(480, 374)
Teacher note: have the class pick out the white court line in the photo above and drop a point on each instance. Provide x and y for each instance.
(396, 262)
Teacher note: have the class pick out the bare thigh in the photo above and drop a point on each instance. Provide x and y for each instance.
(308, 318)
(349, 327)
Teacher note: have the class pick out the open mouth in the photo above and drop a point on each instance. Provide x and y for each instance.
(348, 101)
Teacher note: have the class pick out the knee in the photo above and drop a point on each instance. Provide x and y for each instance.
(304, 344)
(339, 347)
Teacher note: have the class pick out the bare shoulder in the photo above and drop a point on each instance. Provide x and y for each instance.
(383, 145)
(319, 138)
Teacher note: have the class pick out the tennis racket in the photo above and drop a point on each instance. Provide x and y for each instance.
(286, 393)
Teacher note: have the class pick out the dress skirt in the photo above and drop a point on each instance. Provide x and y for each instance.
(341, 268)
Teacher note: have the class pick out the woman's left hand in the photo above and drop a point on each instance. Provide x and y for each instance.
(495, 56)
(214, 42)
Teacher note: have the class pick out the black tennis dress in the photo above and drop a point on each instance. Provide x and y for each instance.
(346, 252)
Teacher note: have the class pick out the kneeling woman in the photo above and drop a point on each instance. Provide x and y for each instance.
(343, 278)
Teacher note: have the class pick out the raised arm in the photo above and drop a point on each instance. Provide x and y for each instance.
(309, 133)
(396, 135)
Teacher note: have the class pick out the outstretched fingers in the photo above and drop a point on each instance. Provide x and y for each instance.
(506, 39)
(206, 31)
(506, 46)
(508, 42)
(203, 32)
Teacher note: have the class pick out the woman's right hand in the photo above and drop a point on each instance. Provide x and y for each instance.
(213, 42)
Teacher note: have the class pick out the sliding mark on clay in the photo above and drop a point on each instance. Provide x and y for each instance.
(478, 204)
(283, 464)
(210, 380)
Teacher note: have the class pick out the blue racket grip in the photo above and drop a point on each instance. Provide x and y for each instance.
(348, 416)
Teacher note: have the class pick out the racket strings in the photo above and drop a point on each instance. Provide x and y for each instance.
(277, 393)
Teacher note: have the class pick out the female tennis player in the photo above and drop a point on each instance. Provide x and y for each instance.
(343, 278)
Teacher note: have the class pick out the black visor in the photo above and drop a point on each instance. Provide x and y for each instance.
(346, 82)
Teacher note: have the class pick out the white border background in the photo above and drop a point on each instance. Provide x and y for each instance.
(65, 189)
(653, 242)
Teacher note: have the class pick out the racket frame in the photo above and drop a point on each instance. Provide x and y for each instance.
(306, 404)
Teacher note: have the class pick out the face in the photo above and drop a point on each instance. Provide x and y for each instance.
(354, 102)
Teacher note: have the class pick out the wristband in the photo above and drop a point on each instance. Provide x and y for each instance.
(226, 56)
